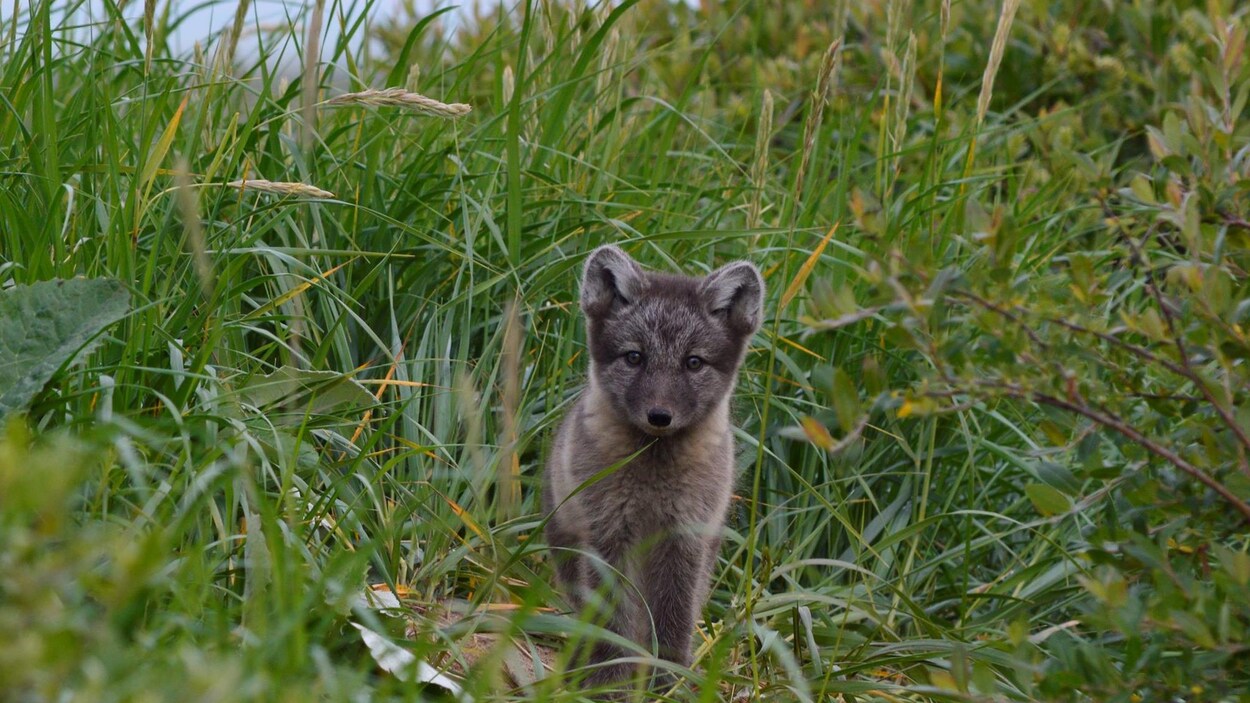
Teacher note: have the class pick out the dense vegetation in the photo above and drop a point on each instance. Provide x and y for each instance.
(994, 432)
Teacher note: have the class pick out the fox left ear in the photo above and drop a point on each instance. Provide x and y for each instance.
(610, 279)
(736, 291)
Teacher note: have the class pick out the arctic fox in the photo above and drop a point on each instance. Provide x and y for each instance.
(664, 357)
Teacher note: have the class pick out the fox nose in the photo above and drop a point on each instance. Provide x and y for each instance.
(659, 418)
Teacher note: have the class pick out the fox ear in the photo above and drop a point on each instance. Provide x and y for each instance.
(610, 278)
(736, 292)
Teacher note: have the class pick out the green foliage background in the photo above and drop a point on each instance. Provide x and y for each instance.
(994, 433)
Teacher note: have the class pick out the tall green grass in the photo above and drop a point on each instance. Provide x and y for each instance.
(183, 535)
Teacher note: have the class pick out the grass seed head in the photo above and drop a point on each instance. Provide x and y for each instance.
(820, 97)
(414, 78)
(759, 169)
(1005, 19)
(398, 97)
(281, 188)
(509, 84)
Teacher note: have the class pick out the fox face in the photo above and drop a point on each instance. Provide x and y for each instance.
(665, 349)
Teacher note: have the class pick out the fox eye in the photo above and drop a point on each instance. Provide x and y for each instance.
(633, 358)
(694, 363)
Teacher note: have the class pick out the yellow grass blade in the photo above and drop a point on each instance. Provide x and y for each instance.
(162, 146)
(801, 277)
(466, 518)
(800, 347)
(295, 292)
(817, 433)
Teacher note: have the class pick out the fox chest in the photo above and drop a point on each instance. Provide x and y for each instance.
(649, 498)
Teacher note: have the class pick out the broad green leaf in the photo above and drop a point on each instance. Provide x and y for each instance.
(1172, 132)
(1047, 500)
(845, 400)
(45, 325)
(1217, 290)
(821, 378)
(1194, 628)
(1142, 189)
(300, 390)
(1237, 564)
(1157, 143)
(1109, 587)
(1058, 477)
(874, 377)
(1151, 324)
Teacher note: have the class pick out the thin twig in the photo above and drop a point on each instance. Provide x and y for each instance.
(1119, 425)
(1105, 418)
(1184, 369)
(1225, 414)
(1004, 313)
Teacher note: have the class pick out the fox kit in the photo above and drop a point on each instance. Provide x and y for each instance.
(664, 357)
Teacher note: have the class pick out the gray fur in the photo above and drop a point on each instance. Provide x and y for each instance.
(657, 520)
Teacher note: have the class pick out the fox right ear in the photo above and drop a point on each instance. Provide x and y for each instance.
(610, 278)
(736, 293)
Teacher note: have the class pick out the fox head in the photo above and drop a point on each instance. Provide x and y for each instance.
(665, 349)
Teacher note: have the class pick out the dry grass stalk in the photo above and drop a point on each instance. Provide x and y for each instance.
(510, 468)
(281, 188)
(149, 22)
(996, 56)
(907, 78)
(198, 60)
(607, 59)
(819, 97)
(840, 12)
(469, 406)
(607, 63)
(945, 30)
(398, 97)
(189, 210)
(312, 79)
(509, 84)
(893, 22)
(413, 81)
(236, 30)
(547, 28)
(759, 168)
(1005, 18)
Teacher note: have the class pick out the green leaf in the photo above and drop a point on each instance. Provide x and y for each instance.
(821, 378)
(1047, 500)
(1142, 189)
(45, 325)
(875, 379)
(1217, 290)
(1157, 143)
(1237, 564)
(300, 390)
(1058, 477)
(1109, 587)
(1194, 628)
(846, 400)
(1172, 132)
